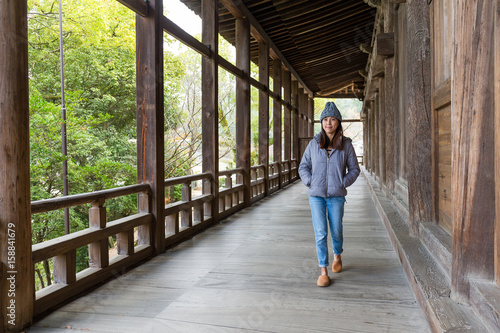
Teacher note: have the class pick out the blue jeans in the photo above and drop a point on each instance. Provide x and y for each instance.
(334, 206)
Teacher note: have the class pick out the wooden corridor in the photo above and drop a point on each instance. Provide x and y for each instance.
(256, 272)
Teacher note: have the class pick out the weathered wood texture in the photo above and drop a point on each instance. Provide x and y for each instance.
(442, 24)
(264, 113)
(381, 131)
(385, 41)
(255, 273)
(243, 104)
(150, 118)
(277, 112)
(390, 103)
(210, 113)
(473, 179)
(401, 59)
(497, 142)
(16, 285)
(418, 126)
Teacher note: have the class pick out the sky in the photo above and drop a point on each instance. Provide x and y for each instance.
(182, 16)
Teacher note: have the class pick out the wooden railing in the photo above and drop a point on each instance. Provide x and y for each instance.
(63, 249)
(183, 219)
(186, 217)
(231, 195)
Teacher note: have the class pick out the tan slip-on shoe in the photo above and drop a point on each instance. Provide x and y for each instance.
(323, 281)
(337, 265)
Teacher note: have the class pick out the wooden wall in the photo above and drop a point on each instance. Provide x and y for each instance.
(436, 105)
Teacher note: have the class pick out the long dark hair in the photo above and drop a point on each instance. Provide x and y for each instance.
(338, 139)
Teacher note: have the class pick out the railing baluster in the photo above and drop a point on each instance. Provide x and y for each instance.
(125, 242)
(186, 214)
(65, 267)
(229, 198)
(98, 251)
(144, 206)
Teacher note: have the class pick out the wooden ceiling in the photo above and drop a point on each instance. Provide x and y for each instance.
(319, 38)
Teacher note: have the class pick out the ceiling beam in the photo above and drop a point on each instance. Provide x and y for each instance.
(239, 10)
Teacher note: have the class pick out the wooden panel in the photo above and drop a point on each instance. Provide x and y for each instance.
(442, 39)
(443, 152)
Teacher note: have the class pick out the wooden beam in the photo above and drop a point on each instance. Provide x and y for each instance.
(264, 113)
(138, 6)
(238, 9)
(17, 276)
(473, 176)
(174, 30)
(385, 44)
(210, 111)
(150, 120)
(243, 104)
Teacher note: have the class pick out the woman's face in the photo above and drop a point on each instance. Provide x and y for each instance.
(330, 125)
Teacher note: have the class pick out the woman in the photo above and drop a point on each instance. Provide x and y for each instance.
(323, 171)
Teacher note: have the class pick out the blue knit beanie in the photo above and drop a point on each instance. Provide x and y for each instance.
(330, 111)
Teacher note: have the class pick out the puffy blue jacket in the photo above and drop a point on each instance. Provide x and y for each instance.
(325, 175)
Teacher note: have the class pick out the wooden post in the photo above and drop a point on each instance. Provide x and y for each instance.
(381, 132)
(287, 126)
(390, 102)
(418, 124)
(186, 215)
(497, 141)
(302, 121)
(264, 113)
(277, 132)
(17, 276)
(295, 131)
(210, 114)
(243, 104)
(150, 120)
(473, 175)
(98, 251)
(310, 112)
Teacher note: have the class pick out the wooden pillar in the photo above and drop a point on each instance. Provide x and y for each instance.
(16, 267)
(473, 174)
(150, 120)
(287, 126)
(296, 120)
(264, 113)
(302, 113)
(277, 131)
(210, 114)
(310, 112)
(243, 103)
(390, 102)
(381, 133)
(497, 141)
(418, 120)
(376, 137)
(373, 141)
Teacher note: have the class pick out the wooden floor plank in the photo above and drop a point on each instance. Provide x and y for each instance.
(256, 272)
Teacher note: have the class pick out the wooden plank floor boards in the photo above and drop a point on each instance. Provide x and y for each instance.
(256, 272)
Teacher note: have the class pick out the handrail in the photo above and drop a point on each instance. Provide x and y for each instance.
(186, 179)
(231, 171)
(45, 205)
